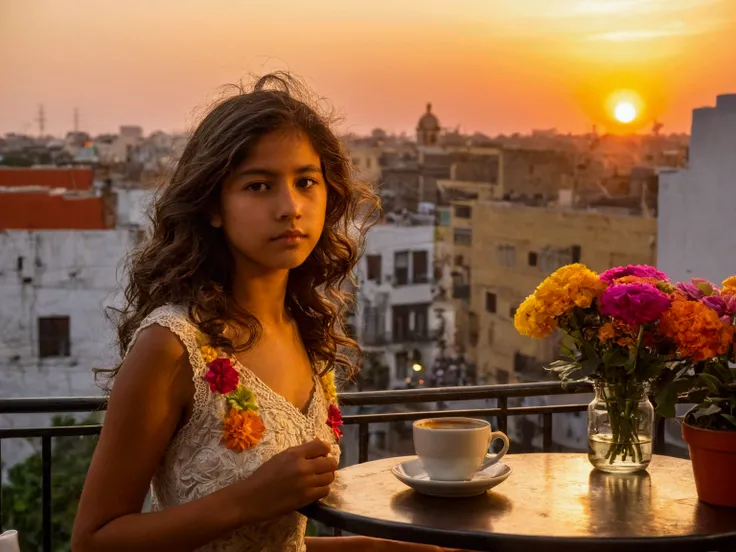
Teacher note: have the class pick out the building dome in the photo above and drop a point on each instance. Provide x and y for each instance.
(428, 128)
(429, 120)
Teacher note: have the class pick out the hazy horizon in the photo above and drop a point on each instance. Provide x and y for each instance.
(491, 66)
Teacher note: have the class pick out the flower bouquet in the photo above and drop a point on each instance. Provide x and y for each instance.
(631, 333)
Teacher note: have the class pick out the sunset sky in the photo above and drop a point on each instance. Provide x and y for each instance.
(495, 66)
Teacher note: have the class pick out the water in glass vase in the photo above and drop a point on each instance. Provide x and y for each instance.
(627, 457)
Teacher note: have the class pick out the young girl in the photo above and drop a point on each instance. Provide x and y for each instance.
(225, 401)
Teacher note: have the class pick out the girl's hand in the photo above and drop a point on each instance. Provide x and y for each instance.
(290, 480)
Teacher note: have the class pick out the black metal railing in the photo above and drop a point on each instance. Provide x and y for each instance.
(500, 393)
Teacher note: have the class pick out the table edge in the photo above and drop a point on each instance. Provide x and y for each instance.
(363, 525)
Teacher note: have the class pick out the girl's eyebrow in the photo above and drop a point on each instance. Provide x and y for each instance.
(267, 172)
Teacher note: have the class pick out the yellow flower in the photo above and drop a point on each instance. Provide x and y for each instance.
(328, 386)
(570, 286)
(729, 286)
(208, 353)
(606, 332)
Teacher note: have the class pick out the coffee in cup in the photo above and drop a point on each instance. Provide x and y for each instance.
(455, 449)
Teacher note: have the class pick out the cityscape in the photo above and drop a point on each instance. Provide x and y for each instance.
(471, 222)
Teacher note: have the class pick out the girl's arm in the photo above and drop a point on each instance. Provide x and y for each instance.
(150, 399)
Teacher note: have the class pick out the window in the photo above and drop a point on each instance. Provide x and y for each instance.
(459, 260)
(490, 302)
(576, 253)
(491, 333)
(401, 268)
(410, 322)
(419, 267)
(502, 376)
(506, 255)
(402, 364)
(532, 258)
(462, 236)
(512, 310)
(19, 264)
(53, 337)
(525, 364)
(463, 211)
(443, 217)
(356, 161)
(421, 321)
(373, 272)
(400, 323)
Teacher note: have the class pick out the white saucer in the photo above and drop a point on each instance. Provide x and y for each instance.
(411, 473)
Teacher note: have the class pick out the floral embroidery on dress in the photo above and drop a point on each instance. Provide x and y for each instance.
(243, 427)
(334, 416)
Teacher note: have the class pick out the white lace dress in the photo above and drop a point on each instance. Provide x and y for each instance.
(197, 463)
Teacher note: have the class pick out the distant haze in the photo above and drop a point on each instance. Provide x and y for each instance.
(494, 66)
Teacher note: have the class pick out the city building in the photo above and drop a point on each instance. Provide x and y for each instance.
(396, 324)
(696, 205)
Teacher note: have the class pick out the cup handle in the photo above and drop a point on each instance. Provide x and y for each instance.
(496, 457)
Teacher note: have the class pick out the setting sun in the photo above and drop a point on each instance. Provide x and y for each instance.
(625, 112)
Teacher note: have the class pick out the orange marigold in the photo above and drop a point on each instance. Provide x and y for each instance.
(729, 286)
(243, 429)
(696, 330)
(606, 332)
(637, 280)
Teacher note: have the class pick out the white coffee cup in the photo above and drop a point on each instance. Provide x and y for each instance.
(455, 449)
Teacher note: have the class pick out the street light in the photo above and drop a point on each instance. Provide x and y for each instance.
(416, 367)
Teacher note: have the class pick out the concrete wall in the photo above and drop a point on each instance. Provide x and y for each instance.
(64, 273)
(696, 205)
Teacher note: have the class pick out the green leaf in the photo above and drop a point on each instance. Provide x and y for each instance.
(729, 418)
(711, 382)
(712, 409)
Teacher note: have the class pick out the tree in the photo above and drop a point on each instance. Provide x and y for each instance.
(22, 494)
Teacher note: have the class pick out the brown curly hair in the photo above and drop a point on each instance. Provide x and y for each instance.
(185, 261)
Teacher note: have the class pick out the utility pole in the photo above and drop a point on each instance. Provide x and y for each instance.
(41, 119)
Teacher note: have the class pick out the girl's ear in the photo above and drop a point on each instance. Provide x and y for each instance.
(215, 217)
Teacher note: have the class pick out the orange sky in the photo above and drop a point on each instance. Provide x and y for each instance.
(487, 65)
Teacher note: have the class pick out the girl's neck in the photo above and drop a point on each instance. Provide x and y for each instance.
(262, 295)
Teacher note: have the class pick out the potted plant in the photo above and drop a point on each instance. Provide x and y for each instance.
(626, 332)
(709, 428)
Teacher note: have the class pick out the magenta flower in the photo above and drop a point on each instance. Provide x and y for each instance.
(724, 305)
(696, 289)
(634, 303)
(640, 271)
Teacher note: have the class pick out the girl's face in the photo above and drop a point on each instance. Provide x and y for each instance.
(272, 207)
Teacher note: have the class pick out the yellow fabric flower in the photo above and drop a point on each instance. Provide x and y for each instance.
(328, 386)
(208, 353)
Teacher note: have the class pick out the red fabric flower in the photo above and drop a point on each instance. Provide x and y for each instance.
(222, 377)
(334, 420)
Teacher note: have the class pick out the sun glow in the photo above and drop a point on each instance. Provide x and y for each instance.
(625, 112)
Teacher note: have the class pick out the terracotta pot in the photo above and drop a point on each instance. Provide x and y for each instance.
(713, 454)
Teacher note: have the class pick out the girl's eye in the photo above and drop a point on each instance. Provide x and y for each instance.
(257, 187)
(307, 183)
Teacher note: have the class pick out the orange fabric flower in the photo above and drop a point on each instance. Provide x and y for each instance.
(243, 429)
(696, 330)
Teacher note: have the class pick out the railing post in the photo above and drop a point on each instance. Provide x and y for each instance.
(659, 431)
(46, 491)
(363, 440)
(546, 431)
(503, 418)
(1, 477)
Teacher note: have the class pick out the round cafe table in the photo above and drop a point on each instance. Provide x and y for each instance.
(551, 503)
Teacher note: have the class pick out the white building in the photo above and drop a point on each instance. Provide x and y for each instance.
(394, 311)
(55, 286)
(696, 205)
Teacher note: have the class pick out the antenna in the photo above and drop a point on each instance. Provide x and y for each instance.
(41, 119)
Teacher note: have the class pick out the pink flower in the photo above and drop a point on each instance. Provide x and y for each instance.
(641, 271)
(222, 377)
(724, 305)
(634, 304)
(334, 420)
(696, 289)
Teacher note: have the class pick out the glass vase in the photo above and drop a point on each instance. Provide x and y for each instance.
(620, 428)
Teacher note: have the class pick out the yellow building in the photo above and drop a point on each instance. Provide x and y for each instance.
(510, 248)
